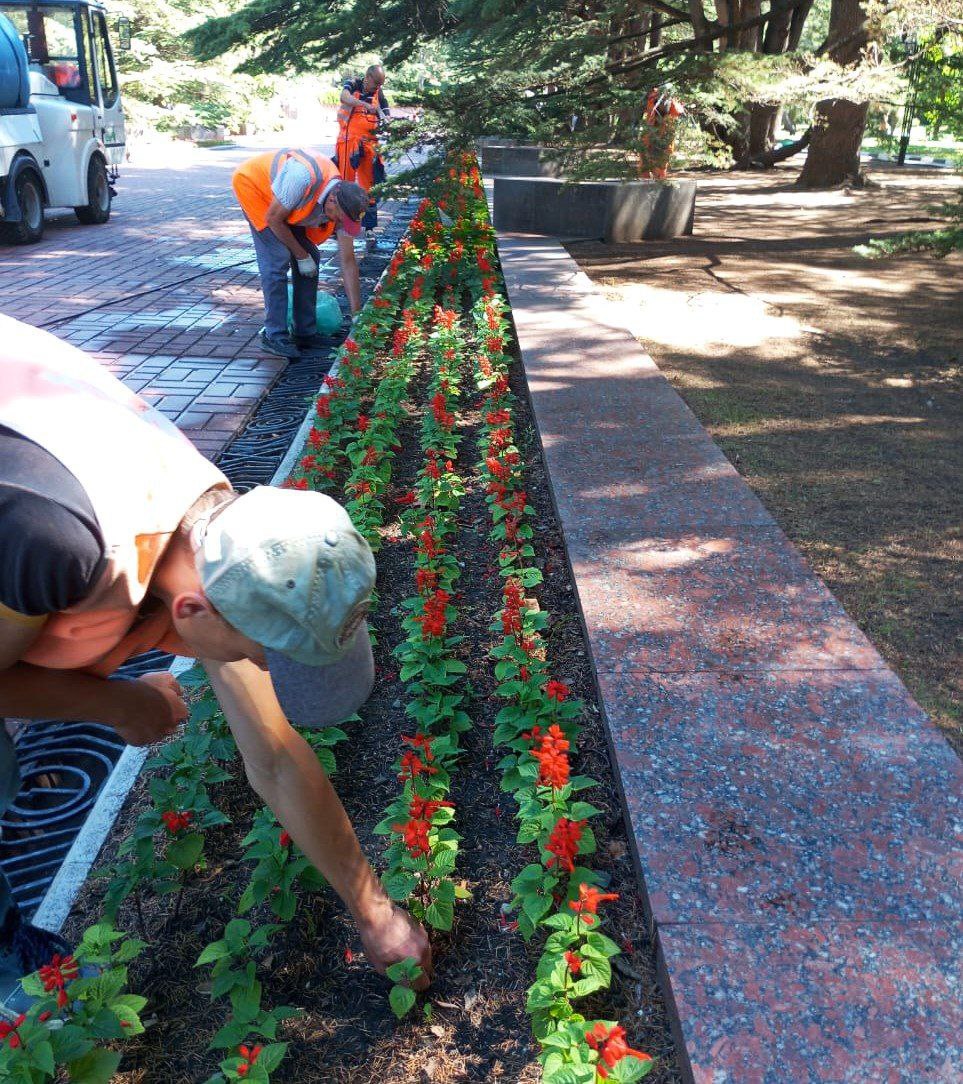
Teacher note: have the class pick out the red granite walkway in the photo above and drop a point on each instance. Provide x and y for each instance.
(166, 294)
(796, 817)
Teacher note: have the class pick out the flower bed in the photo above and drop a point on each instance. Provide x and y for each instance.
(250, 970)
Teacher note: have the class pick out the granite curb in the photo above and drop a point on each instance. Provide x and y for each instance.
(796, 817)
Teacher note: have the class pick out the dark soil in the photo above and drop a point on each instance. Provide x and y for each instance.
(478, 1029)
(833, 383)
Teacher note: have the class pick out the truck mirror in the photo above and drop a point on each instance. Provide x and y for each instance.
(123, 34)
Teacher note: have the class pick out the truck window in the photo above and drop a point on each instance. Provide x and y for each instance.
(50, 35)
(105, 61)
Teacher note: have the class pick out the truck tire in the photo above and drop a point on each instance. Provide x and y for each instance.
(97, 208)
(29, 230)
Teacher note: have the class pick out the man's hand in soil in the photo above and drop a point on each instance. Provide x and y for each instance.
(394, 936)
(154, 707)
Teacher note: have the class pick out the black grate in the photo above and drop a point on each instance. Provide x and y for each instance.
(77, 758)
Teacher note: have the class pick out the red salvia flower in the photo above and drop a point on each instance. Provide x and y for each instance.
(350, 346)
(589, 899)
(8, 1031)
(56, 975)
(317, 438)
(176, 822)
(309, 462)
(423, 809)
(574, 962)
(552, 757)
(250, 1056)
(433, 619)
(429, 545)
(323, 406)
(412, 766)
(611, 1046)
(370, 457)
(406, 498)
(415, 833)
(563, 844)
(557, 691)
(295, 483)
(284, 839)
(364, 423)
(426, 580)
(446, 318)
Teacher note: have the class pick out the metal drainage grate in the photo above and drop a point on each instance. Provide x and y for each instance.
(64, 766)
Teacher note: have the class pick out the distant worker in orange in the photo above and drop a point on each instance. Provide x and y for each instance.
(357, 154)
(661, 118)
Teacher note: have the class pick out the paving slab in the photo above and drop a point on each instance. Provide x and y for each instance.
(883, 1002)
(796, 818)
(166, 294)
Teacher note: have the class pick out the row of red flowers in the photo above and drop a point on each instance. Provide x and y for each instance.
(539, 727)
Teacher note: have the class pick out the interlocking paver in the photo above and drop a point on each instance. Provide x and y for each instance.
(796, 818)
(173, 286)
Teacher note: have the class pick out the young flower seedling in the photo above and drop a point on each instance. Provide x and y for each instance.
(403, 975)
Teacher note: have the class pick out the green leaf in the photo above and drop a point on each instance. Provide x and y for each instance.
(440, 914)
(217, 950)
(129, 1019)
(43, 1056)
(97, 1066)
(399, 885)
(402, 1000)
(271, 1056)
(69, 1043)
(185, 852)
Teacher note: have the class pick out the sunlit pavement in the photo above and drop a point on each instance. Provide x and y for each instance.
(166, 294)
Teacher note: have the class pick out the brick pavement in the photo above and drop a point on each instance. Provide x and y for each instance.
(189, 347)
(796, 818)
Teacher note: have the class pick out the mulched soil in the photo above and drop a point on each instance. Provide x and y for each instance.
(478, 1029)
(833, 383)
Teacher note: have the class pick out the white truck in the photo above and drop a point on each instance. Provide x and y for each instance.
(62, 132)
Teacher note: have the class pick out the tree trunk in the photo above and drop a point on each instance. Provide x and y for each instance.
(834, 151)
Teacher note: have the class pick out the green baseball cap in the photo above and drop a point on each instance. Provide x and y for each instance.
(289, 570)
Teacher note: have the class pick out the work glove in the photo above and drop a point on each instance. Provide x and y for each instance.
(308, 267)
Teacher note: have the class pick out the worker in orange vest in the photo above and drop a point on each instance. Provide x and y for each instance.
(363, 107)
(661, 117)
(294, 200)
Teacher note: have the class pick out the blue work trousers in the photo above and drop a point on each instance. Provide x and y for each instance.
(273, 262)
(9, 786)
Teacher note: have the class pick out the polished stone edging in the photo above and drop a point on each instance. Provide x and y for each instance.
(795, 816)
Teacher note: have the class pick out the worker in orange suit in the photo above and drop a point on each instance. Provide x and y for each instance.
(661, 117)
(357, 154)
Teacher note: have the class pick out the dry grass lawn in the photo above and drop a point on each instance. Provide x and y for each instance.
(833, 383)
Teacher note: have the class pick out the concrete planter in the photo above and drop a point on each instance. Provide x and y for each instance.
(614, 211)
(501, 159)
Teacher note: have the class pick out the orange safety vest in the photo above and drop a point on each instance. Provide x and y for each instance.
(252, 185)
(140, 473)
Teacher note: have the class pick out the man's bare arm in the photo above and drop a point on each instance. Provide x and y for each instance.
(285, 772)
(348, 99)
(141, 711)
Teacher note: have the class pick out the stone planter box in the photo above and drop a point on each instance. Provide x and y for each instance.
(500, 159)
(614, 211)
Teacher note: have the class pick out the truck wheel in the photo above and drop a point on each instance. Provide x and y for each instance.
(97, 208)
(29, 230)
